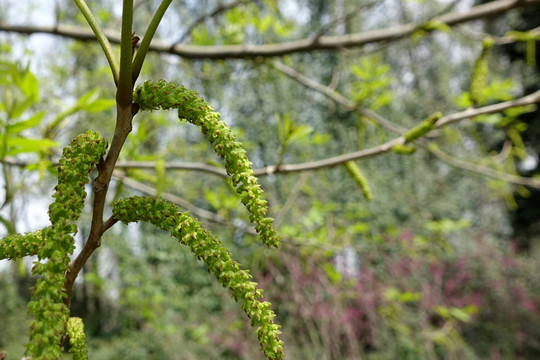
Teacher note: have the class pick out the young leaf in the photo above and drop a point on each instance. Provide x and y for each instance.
(26, 124)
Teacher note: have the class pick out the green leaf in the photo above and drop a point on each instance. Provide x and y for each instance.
(92, 102)
(18, 145)
(460, 314)
(492, 119)
(99, 105)
(26, 124)
(264, 24)
(447, 225)
(299, 133)
(19, 107)
(201, 36)
(29, 85)
(289, 132)
(319, 139)
(517, 111)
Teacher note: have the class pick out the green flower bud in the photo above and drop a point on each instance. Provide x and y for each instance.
(480, 71)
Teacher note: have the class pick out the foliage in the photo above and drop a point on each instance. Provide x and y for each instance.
(409, 300)
(54, 245)
(425, 269)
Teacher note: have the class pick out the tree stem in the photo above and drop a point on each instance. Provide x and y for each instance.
(124, 93)
(124, 116)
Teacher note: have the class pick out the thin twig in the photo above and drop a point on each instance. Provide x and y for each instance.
(333, 43)
(482, 170)
(327, 162)
(349, 105)
(149, 190)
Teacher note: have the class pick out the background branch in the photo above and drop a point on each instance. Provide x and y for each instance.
(333, 43)
(149, 190)
(340, 159)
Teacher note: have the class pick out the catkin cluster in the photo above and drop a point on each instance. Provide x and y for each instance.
(360, 179)
(479, 74)
(415, 133)
(47, 306)
(208, 249)
(75, 331)
(17, 246)
(154, 95)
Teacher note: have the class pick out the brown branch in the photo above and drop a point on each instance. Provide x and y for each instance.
(354, 40)
(101, 186)
(123, 126)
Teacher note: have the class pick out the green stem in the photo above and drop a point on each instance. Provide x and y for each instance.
(101, 38)
(124, 93)
(145, 44)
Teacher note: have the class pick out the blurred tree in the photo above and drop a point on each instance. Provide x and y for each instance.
(309, 86)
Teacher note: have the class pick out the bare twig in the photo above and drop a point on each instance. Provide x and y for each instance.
(332, 161)
(149, 190)
(332, 94)
(340, 42)
(482, 170)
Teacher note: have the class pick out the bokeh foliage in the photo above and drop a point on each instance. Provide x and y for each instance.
(427, 269)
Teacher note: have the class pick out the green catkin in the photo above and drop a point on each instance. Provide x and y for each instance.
(77, 339)
(360, 179)
(403, 149)
(208, 249)
(17, 246)
(154, 95)
(423, 128)
(47, 307)
(479, 74)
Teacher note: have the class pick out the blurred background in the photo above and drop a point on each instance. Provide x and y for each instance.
(432, 255)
